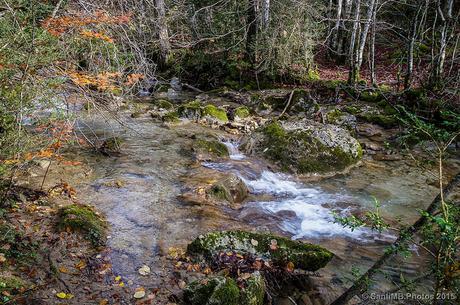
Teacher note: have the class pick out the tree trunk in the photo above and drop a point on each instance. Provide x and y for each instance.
(410, 52)
(352, 77)
(342, 47)
(372, 47)
(165, 47)
(360, 286)
(335, 30)
(266, 13)
(363, 39)
(251, 29)
(443, 40)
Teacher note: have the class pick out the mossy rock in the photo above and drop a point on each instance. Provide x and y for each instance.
(209, 149)
(171, 117)
(191, 110)
(16, 245)
(215, 112)
(371, 96)
(83, 218)
(11, 284)
(217, 290)
(231, 189)
(242, 112)
(305, 146)
(384, 120)
(304, 256)
(340, 118)
(253, 292)
(164, 104)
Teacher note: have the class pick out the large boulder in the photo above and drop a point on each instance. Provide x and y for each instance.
(220, 290)
(304, 146)
(278, 250)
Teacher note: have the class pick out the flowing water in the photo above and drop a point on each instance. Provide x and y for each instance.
(147, 217)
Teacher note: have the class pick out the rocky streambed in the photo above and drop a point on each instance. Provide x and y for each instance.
(277, 164)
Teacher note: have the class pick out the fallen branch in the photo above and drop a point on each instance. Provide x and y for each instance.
(288, 103)
(360, 286)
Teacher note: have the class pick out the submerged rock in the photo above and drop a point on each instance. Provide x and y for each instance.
(278, 250)
(111, 146)
(220, 290)
(230, 188)
(209, 149)
(305, 146)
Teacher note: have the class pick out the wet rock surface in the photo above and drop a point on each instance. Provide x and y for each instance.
(305, 146)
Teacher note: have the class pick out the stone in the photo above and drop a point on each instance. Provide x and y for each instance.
(230, 188)
(304, 146)
(303, 255)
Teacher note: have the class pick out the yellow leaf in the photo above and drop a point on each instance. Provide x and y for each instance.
(117, 278)
(104, 302)
(63, 269)
(63, 295)
(121, 284)
(290, 266)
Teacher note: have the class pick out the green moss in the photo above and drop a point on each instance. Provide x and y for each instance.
(16, 245)
(220, 192)
(191, 110)
(334, 115)
(171, 117)
(304, 256)
(254, 291)
(242, 112)
(164, 104)
(214, 112)
(352, 110)
(371, 96)
(82, 218)
(387, 121)
(279, 144)
(11, 284)
(216, 290)
(213, 147)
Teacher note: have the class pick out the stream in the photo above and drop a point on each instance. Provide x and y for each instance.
(147, 218)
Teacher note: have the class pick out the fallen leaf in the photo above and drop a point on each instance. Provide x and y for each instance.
(63, 295)
(254, 242)
(63, 269)
(140, 293)
(121, 284)
(274, 244)
(2, 258)
(290, 266)
(117, 278)
(144, 270)
(104, 302)
(81, 265)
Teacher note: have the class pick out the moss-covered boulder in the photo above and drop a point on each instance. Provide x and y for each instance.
(215, 113)
(209, 149)
(278, 250)
(305, 146)
(342, 119)
(83, 218)
(241, 112)
(170, 117)
(220, 290)
(382, 119)
(231, 189)
(191, 110)
(163, 104)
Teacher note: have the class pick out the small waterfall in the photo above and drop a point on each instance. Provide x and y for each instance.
(235, 154)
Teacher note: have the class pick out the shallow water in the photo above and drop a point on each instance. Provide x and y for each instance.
(147, 217)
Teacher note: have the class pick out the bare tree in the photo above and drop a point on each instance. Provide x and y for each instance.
(163, 35)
